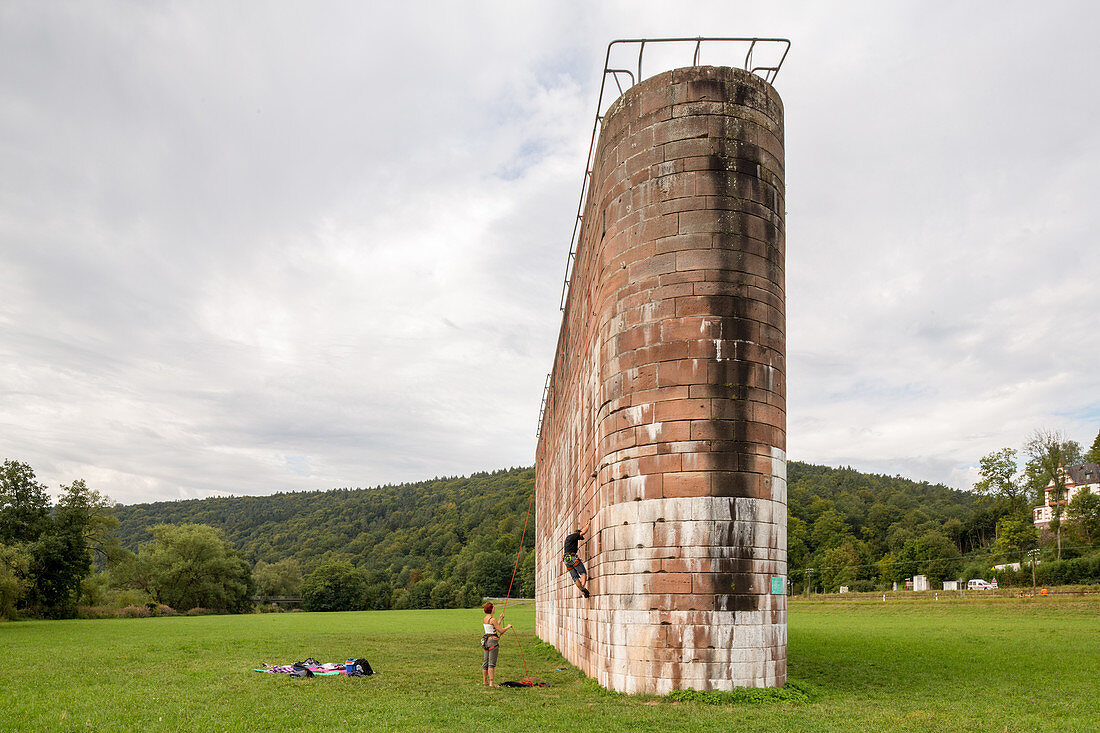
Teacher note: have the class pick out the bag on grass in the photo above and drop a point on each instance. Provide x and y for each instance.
(300, 670)
(358, 668)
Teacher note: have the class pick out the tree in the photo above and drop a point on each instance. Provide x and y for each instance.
(15, 563)
(95, 513)
(943, 558)
(931, 554)
(1093, 456)
(1048, 454)
(194, 566)
(60, 563)
(880, 516)
(526, 579)
(491, 572)
(830, 530)
(797, 551)
(840, 565)
(56, 541)
(283, 578)
(420, 593)
(1083, 513)
(335, 585)
(998, 471)
(445, 595)
(1016, 534)
(953, 528)
(888, 569)
(24, 503)
(376, 595)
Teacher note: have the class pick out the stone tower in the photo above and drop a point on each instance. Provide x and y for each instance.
(665, 420)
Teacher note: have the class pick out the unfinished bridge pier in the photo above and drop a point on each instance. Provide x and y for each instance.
(664, 423)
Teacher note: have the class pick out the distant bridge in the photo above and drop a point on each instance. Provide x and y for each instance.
(279, 600)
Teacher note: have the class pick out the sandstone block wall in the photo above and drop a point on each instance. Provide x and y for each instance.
(666, 417)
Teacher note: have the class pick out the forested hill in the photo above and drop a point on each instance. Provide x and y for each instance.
(838, 516)
(419, 526)
(881, 510)
(871, 503)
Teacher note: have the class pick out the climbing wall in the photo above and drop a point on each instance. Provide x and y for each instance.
(665, 420)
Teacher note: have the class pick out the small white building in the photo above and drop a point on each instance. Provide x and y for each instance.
(1078, 478)
(920, 582)
(952, 585)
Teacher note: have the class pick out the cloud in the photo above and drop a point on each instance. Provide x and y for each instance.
(251, 249)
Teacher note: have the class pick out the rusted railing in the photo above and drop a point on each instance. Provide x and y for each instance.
(542, 405)
(768, 73)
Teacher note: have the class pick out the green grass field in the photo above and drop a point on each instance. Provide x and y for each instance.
(974, 665)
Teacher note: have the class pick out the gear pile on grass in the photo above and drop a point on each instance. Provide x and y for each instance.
(312, 668)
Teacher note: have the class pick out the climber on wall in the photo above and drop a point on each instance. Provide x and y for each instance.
(573, 561)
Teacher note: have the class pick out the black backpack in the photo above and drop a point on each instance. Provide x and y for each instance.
(300, 670)
(360, 668)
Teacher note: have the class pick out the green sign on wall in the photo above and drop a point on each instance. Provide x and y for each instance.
(777, 585)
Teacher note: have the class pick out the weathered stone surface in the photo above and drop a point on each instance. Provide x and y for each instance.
(665, 426)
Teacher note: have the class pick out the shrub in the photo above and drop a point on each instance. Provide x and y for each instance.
(1079, 570)
(791, 692)
(128, 597)
(98, 612)
(980, 569)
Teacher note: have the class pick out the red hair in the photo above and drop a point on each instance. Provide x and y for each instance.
(488, 608)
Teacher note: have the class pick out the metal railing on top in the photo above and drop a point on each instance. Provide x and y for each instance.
(618, 75)
(542, 405)
(768, 73)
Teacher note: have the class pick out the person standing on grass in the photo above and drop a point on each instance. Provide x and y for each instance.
(573, 561)
(490, 642)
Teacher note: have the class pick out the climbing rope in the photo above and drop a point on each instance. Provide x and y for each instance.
(508, 596)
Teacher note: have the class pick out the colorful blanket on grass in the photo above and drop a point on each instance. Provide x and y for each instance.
(319, 670)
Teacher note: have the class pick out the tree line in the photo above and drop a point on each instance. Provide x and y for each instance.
(869, 532)
(442, 543)
(449, 541)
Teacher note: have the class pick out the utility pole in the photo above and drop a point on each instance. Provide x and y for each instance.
(809, 572)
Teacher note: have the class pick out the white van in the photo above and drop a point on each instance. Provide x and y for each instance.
(978, 584)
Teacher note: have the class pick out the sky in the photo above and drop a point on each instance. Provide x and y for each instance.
(259, 247)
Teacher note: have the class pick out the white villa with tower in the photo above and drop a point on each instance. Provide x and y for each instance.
(1078, 477)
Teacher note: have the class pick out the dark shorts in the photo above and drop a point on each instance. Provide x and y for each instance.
(577, 570)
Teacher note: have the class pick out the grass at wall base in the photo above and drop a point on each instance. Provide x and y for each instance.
(977, 665)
